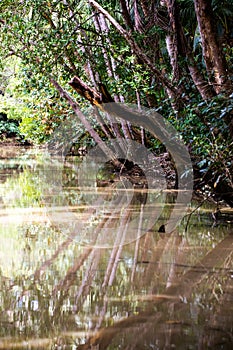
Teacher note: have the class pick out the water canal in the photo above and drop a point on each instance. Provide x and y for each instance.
(87, 268)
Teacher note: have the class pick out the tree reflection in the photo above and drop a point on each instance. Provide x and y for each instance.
(158, 290)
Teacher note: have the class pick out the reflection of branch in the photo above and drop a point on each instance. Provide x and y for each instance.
(137, 243)
(87, 279)
(195, 209)
(172, 269)
(157, 253)
(113, 261)
(183, 287)
(65, 244)
(69, 279)
(215, 257)
(125, 223)
(220, 323)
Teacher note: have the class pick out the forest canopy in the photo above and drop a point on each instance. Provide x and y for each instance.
(174, 57)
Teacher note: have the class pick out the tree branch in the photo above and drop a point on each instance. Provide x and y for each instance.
(136, 49)
(92, 96)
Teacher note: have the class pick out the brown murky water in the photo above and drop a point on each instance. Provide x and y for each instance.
(86, 268)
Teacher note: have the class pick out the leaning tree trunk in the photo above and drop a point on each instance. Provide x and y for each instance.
(95, 100)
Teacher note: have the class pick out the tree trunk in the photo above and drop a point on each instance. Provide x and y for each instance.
(177, 45)
(126, 14)
(171, 40)
(145, 5)
(140, 54)
(212, 53)
(205, 89)
(102, 27)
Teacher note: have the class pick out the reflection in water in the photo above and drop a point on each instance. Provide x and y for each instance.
(74, 276)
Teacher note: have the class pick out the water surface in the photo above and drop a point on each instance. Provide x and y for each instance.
(86, 268)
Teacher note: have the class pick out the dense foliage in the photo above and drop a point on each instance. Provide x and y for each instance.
(172, 56)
